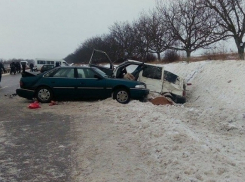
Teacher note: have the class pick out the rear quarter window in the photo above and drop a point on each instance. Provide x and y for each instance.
(153, 72)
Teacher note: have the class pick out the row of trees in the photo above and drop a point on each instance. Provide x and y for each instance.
(177, 25)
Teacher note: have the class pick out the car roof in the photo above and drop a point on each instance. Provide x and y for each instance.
(73, 67)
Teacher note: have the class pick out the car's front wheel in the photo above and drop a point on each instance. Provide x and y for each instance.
(122, 96)
(44, 94)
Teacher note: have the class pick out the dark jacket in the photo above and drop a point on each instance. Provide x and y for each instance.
(2, 69)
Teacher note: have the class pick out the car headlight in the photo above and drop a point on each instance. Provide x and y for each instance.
(139, 86)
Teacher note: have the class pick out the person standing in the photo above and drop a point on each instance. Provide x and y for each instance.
(18, 67)
(31, 67)
(23, 67)
(12, 68)
(57, 64)
(2, 69)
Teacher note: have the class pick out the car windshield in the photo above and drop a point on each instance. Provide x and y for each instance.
(100, 72)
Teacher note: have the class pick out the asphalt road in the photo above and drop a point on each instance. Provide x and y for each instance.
(9, 83)
(33, 146)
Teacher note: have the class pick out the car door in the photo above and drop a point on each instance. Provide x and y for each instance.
(132, 67)
(62, 82)
(91, 84)
(98, 57)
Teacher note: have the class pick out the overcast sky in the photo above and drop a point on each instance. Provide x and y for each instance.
(53, 29)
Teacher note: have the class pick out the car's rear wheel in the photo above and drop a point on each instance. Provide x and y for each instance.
(44, 94)
(122, 96)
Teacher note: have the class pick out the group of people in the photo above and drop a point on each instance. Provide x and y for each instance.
(15, 67)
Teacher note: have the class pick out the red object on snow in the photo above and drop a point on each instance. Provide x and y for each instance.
(189, 83)
(34, 105)
(52, 103)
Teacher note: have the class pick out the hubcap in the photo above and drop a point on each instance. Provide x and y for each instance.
(44, 94)
(122, 96)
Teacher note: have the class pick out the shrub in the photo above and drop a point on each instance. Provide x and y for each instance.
(150, 57)
(171, 56)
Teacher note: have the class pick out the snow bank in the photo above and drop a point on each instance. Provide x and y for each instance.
(214, 83)
(202, 140)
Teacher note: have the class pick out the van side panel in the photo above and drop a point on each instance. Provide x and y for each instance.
(154, 85)
(38, 63)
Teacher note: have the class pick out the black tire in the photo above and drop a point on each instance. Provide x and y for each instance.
(122, 96)
(144, 99)
(180, 100)
(44, 94)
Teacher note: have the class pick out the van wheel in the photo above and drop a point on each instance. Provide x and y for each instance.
(44, 94)
(180, 100)
(122, 96)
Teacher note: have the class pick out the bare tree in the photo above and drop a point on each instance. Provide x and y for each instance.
(84, 51)
(159, 33)
(191, 25)
(141, 27)
(231, 17)
(153, 33)
(124, 35)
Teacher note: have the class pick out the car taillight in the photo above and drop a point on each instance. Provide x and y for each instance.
(21, 84)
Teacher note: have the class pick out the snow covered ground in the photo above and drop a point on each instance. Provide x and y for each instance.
(202, 140)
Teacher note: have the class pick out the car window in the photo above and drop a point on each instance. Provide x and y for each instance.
(153, 72)
(49, 66)
(89, 73)
(51, 72)
(67, 73)
(70, 73)
(85, 73)
(80, 73)
(100, 72)
(131, 68)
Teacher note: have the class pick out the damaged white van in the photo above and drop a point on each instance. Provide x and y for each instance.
(155, 77)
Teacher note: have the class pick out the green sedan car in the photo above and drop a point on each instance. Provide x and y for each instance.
(68, 83)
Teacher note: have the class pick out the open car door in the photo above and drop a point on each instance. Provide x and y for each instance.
(99, 57)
